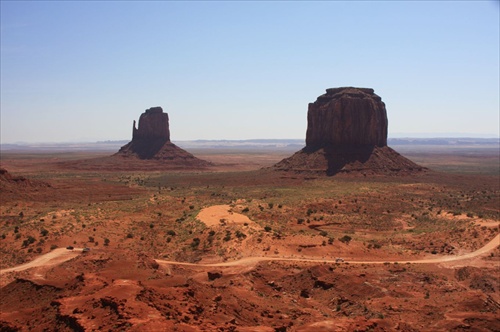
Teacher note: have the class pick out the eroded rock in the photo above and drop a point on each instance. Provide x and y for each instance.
(347, 133)
(151, 141)
(347, 116)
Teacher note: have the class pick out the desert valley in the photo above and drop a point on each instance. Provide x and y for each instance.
(346, 234)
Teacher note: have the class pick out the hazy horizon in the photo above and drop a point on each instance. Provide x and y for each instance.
(84, 71)
(422, 136)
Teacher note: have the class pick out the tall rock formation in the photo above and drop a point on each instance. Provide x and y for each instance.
(347, 132)
(153, 125)
(151, 141)
(347, 116)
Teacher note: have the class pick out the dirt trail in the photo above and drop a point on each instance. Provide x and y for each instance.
(252, 260)
(56, 256)
(60, 255)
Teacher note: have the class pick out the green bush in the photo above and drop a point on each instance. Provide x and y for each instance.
(346, 239)
(240, 235)
(195, 243)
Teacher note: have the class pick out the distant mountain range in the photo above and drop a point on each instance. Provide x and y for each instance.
(260, 144)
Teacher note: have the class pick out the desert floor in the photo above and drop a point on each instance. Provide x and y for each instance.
(241, 247)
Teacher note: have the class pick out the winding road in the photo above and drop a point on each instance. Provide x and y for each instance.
(55, 257)
(60, 255)
(495, 242)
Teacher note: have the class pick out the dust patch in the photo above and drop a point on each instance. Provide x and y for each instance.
(219, 215)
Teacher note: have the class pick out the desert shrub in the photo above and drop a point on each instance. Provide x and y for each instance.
(245, 210)
(16, 229)
(151, 225)
(211, 233)
(195, 243)
(91, 239)
(309, 212)
(191, 207)
(52, 247)
(323, 233)
(130, 235)
(28, 241)
(44, 232)
(228, 236)
(470, 215)
(240, 235)
(106, 242)
(330, 240)
(168, 239)
(39, 250)
(345, 239)
(268, 228)
(18, 236)
(300, 221)
(3, 236)
(271, 205)
(171, 232)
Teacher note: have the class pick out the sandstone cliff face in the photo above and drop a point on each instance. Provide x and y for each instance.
(151, 141)
(347, 133)
(347, 116)
(153, 124)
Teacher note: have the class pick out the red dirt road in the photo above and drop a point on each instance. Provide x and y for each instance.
(61, 255)
(55, 257)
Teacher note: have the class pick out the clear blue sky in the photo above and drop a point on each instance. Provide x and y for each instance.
(84, 70)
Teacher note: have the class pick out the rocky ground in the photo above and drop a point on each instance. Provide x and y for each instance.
(202, 251)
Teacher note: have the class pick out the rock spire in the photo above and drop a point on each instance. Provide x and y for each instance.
(151, 141)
